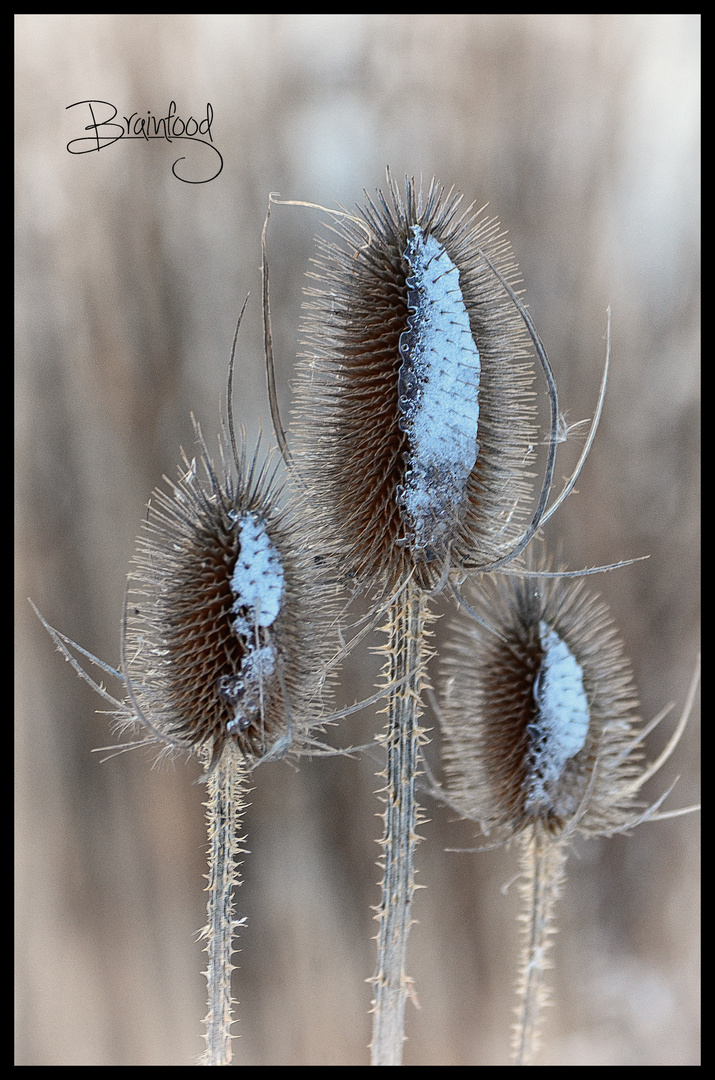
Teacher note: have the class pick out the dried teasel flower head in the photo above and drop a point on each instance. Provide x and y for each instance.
(414, 418)
(227, 638)
(226, 627)
(541, 718)
(229, 633)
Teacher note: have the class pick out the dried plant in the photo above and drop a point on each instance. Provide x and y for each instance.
(414, 434)
(414, 444)
(542, 742)
(227, 637)
(415, 416)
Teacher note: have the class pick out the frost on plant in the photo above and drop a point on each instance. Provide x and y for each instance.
(543, 742)
(414, 419)
(257, 578)
(438, 388)
(561, 718)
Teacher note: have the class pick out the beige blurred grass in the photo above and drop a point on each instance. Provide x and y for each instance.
(582, 134)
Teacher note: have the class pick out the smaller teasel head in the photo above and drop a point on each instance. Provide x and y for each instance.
(540, 713)
(414, 417)
(226, 626)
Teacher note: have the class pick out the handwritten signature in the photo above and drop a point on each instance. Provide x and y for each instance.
(169, 127)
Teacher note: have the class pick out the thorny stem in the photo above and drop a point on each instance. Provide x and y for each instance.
(224, 807)
(406, 659)
(543, 859)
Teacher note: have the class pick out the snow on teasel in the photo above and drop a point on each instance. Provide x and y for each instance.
(414, 420)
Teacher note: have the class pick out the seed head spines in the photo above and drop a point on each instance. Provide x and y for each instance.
(406, 484)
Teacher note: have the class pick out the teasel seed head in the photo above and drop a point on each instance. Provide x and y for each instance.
(226, 628)
(414, 419)
(541, 718)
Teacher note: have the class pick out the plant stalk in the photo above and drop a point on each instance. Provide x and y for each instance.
(406, 651)
(224, 808)
(543, 859)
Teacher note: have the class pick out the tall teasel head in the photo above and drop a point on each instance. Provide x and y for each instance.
(541, 717)
(226, 626)
(414, 416)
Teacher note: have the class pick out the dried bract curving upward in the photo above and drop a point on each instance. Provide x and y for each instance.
(414, 420)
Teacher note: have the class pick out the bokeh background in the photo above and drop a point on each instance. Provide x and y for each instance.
(582, 134)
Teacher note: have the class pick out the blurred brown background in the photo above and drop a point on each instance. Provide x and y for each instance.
(582, 133)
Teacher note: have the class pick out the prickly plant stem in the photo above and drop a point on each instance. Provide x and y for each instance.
(224, 807)
(542, 858)
(406, 651)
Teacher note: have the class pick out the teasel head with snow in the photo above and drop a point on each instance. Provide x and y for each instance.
(228, 636)
(228, 633)
(415, 417)
(543, 741)
(540, 711)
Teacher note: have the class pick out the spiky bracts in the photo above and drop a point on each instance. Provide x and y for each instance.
(540, 716)
(542, 740)
(414, 416)
(227, 626)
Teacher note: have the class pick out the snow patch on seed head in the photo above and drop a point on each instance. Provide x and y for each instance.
(438, 387)
(257, 585)
(560, 727)
(257, 578)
